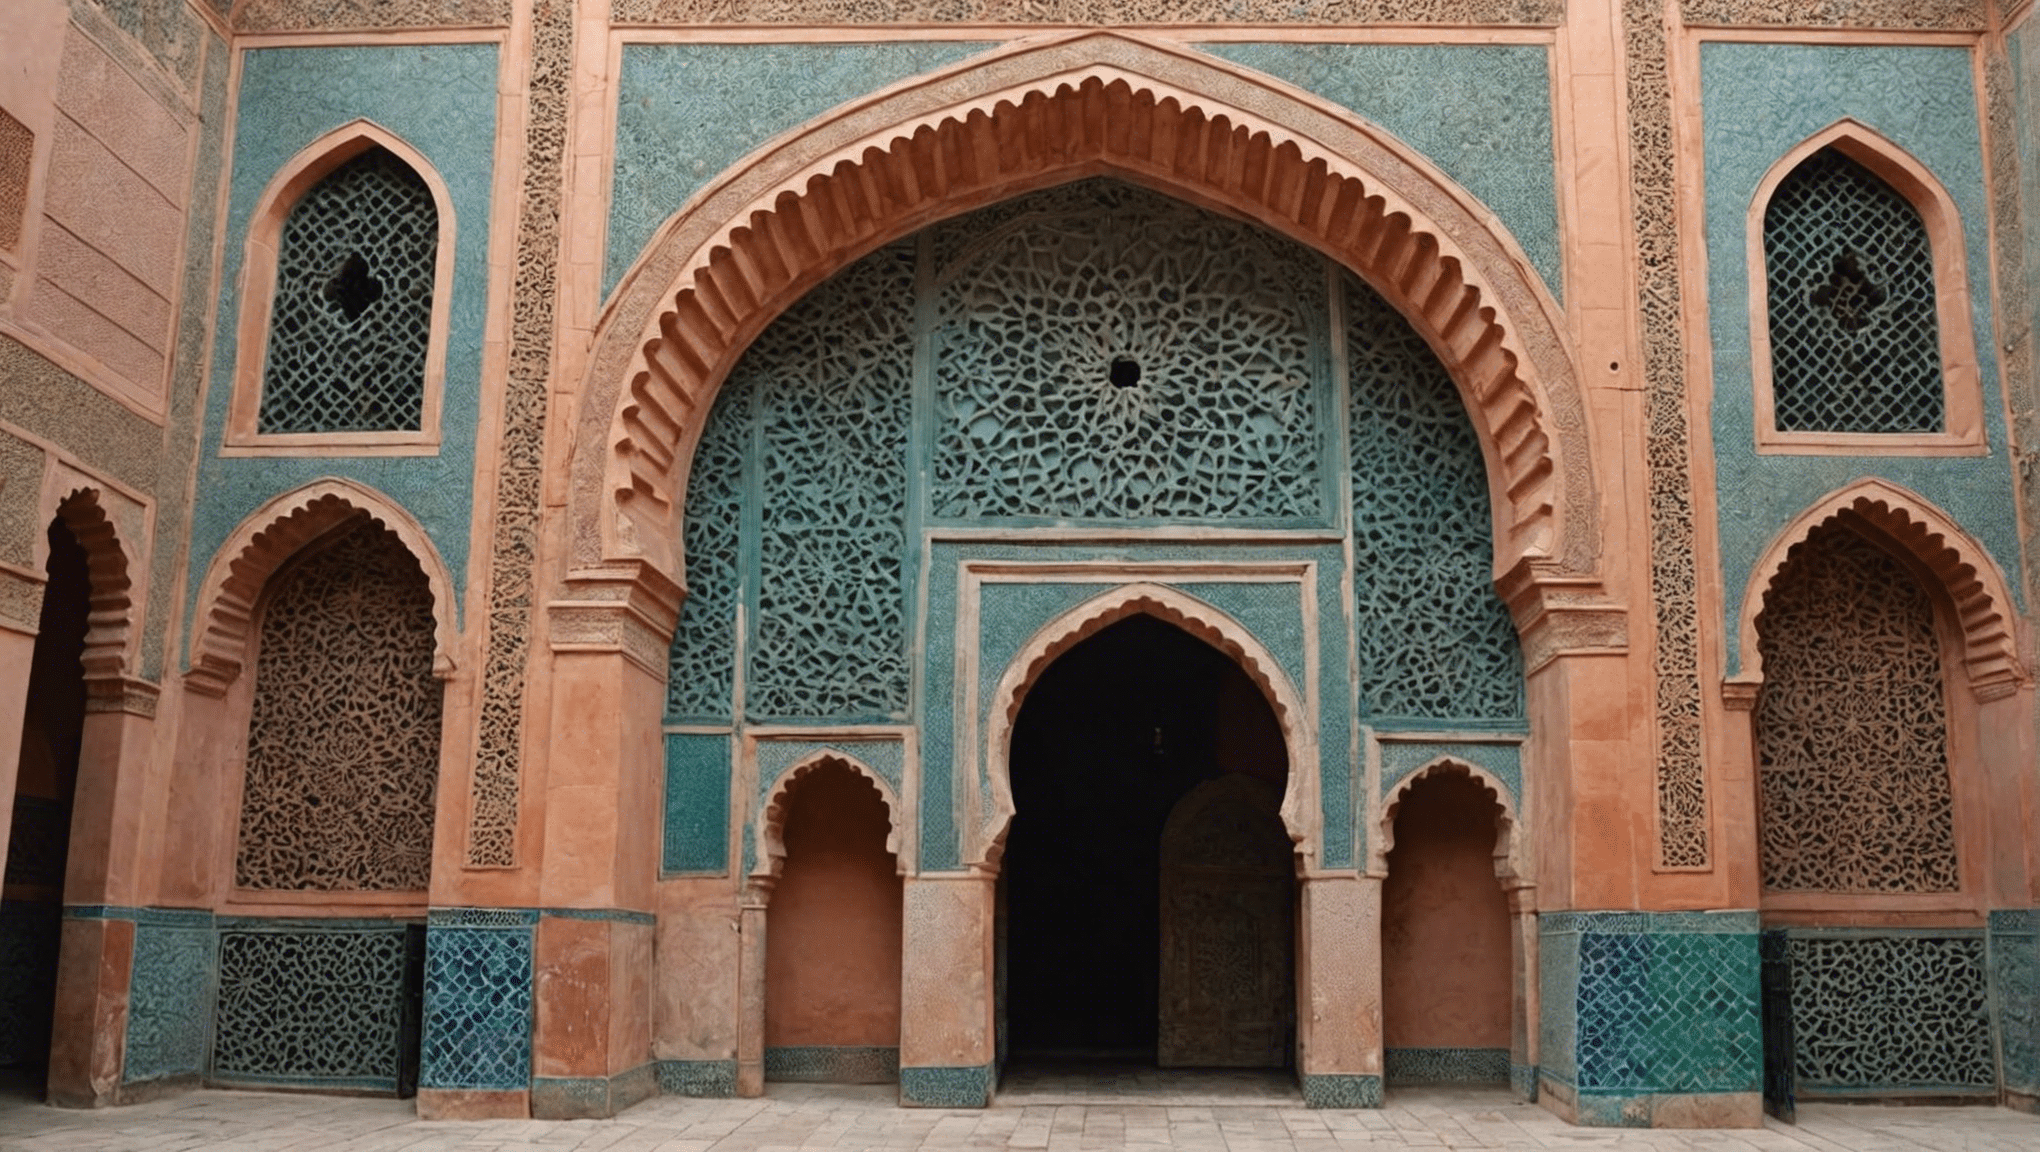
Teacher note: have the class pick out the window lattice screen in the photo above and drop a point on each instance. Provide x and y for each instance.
(343, 743)
(353, 309)
(1852, 726)
(1855, 342)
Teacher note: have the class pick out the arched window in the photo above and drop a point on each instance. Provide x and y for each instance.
(1861, 340)
(343, 330)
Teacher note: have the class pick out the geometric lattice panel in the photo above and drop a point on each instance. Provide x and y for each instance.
(834, 393)
(1891, 1012)
(1852, 726)
(1855, 337)
(352, 314)
(1103, 352)
(343, 743)
(478, 1000)
(1435, 640)
(701, 665)
(326, 1006)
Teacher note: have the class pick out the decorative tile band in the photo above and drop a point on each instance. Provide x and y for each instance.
(492, 825)
(609, 915)
(1681, 775)
(831, 1065)
(170, 994)
(478, 1000)
(1446, 1066)
(1920, 15)
(1338, 1090)
(2015, 990)
(1523, 1082)
(712, 1078)
(946, 1087)
(1734, 922)
(591, 1097)
(1535, 13)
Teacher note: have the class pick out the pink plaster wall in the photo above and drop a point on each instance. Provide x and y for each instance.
(832, 947)
(1445, 923)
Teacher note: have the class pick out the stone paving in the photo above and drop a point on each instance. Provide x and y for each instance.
(801, 1117)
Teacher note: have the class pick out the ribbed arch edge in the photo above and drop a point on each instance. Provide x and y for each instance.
(110, 602)
(771, 829)
(1510, 867)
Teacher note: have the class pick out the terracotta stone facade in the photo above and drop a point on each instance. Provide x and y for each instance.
(556, 551)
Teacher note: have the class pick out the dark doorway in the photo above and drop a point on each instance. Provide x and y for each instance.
(1118, 733)
(32, 893)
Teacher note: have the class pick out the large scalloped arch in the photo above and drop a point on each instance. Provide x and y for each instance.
(1043, 112)
(771, 826)
(1903, 519)
(271, 535)
(1199, 619)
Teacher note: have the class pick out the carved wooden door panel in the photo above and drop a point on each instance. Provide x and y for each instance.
(1228, 979)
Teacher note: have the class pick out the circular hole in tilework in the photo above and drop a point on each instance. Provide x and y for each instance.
(1125, 372)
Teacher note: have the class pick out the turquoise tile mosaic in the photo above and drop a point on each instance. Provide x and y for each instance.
(697, 805)
(1445, 1066)
(685, 112)
(886, 756)
(2015, 991)
(170, 993)
(1760, 101)
(1644, 1004)
(714, 1078)
(478, 999)
(946, 1087)
(323, 1004)
(833, 1065)
(1480, 112)
(1339, 1090)
(441, 99)
(1399, 758)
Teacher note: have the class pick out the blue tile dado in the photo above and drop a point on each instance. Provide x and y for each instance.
(478, 999)
(170, 994)
(1644, 1004)
(717, 1078)
(969, 1087)
(1340, 1090)
(2014, 938)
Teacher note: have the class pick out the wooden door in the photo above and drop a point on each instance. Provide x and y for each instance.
(1228, 979)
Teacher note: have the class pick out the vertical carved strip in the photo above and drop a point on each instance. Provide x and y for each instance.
(1681, 781)
(492, 821)
(2014, 307)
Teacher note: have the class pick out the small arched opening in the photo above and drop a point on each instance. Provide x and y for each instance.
(1147, 889)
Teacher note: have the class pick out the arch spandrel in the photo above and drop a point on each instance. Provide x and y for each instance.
(1044, 112)
(1294, 712)
(770, 827)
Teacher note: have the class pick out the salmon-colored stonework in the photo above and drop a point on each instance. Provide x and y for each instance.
(547, 544)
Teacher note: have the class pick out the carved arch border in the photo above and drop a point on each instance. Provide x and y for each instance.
(1907, 521)
(299, 175)
(1041, 112)
(1512, 867)
(1963, 431)
(770, 828)
(109, 558)
(1212, 625)
(266, 539)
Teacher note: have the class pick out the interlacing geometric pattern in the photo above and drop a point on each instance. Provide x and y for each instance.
(1533, 12)
(17, 150)
(1890, 1012)
(1683, 839)
(1855, 340)
(1852, 726)
(343, 743)
(1434, 639)
(353, 308)
(478, 994)
(835, 405)
(1104, 352)
(701, 665)
(318, 1004)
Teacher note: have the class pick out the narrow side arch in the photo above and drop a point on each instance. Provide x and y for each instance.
(1193, 616)
(1907, 521)
(1510, 867)
(109, 628)
(223, 624)
(272, 209)
(771, 819)
(1961, 377)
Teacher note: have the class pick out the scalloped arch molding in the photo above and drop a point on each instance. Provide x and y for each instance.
(1039, 113)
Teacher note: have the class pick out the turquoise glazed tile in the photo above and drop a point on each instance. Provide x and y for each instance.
(885, 755)
(1760, 101)
(697, 805)
(833, 1065)
(440, 99)
(714, 1078)
(946, 1087)
(685, 112)
(170, 995)
(1399, 758)
(1480, 112)
(2015, 988)
(1338, 1090)
(478, 999)
(1445, 1066)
